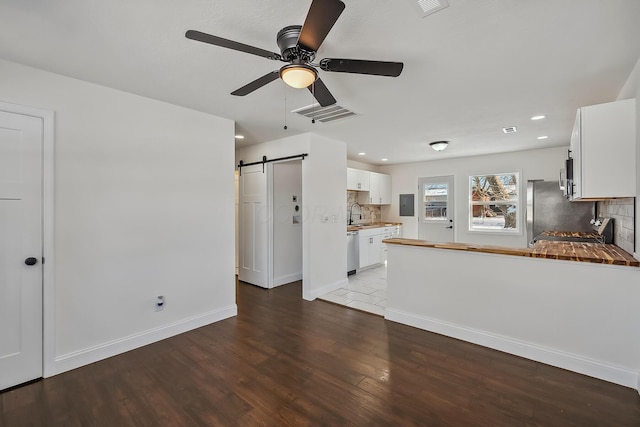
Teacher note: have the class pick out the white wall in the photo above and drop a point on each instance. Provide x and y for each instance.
(325, 186)
(637, 227)
(631, 89)
(143, 207)
(287, 235)
(579, 316)
(362, 166)
(535, 164)
(324, 183)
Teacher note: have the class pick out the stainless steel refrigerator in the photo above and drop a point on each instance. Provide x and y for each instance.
(549, 210)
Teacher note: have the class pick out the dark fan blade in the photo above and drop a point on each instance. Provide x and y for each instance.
(359, 66)
(257, 84)
(321, 93)
(230, 44)
(320, 19)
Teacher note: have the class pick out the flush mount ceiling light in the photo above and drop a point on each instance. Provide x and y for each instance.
(361, 154)
(239, 136)
(298, 75)
(439, 145)
(543, 137)
(540, 117)
(385, 160)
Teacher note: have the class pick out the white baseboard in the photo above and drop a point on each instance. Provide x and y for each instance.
(76, 359)
(313, 294)
(283, 280)
(549, 356)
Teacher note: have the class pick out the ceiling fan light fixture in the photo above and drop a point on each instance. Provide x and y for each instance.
(298, 76)
(439, 145)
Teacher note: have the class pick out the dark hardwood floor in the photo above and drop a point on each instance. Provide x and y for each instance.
(288, 362)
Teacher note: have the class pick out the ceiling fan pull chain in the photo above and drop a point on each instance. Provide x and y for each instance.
(313, 109)
(285, 107)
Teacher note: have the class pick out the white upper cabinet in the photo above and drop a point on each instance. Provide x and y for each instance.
(357, 179)
(603, 145)
(379, 190)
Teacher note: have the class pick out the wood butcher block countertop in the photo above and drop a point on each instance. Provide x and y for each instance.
(372, 225)
(577, 234)
(568, 251)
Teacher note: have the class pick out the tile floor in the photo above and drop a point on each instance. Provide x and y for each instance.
(367, 291)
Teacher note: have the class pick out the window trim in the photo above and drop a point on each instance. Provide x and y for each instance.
(518, 203)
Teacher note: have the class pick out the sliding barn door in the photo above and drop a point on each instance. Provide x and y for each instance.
(253, 219)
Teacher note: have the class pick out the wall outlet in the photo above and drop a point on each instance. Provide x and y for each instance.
(325, 218)
(160, 303)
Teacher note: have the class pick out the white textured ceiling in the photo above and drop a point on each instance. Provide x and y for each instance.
(470, 69)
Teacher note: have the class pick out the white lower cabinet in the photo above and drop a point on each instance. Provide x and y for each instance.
(369, 247)
(372, 250)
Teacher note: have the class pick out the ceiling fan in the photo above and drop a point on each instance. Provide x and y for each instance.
(298, 46)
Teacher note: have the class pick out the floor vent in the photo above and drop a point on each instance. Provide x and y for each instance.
(427, 7)
(325, 114)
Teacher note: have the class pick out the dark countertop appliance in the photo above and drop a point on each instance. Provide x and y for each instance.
(550, 216)
(602, 232)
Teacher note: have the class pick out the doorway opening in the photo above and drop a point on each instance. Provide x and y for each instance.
(270, 224)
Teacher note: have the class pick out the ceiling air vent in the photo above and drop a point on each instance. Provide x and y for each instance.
(427, 7)
(511, 129)
(325, 114)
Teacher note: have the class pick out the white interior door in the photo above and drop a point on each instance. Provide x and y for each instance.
(253, 226)
(436, 209)
(20, 244)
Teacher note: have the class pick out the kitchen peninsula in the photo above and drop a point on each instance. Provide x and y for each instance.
(571, 305)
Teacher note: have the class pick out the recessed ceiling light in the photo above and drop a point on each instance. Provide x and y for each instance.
(384, 160)
(543, 137)
(361, 154)
(540, 117)
(239, 136)
(511, 129)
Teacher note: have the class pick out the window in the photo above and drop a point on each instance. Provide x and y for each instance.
(435, 201)
(493, 204)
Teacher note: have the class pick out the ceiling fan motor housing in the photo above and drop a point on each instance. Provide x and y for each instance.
(287, 40)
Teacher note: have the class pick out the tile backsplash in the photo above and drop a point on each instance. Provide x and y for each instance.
(622, 212)
(370, 213)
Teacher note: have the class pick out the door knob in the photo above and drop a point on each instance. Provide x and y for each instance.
(451, 226)
(31, 261)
